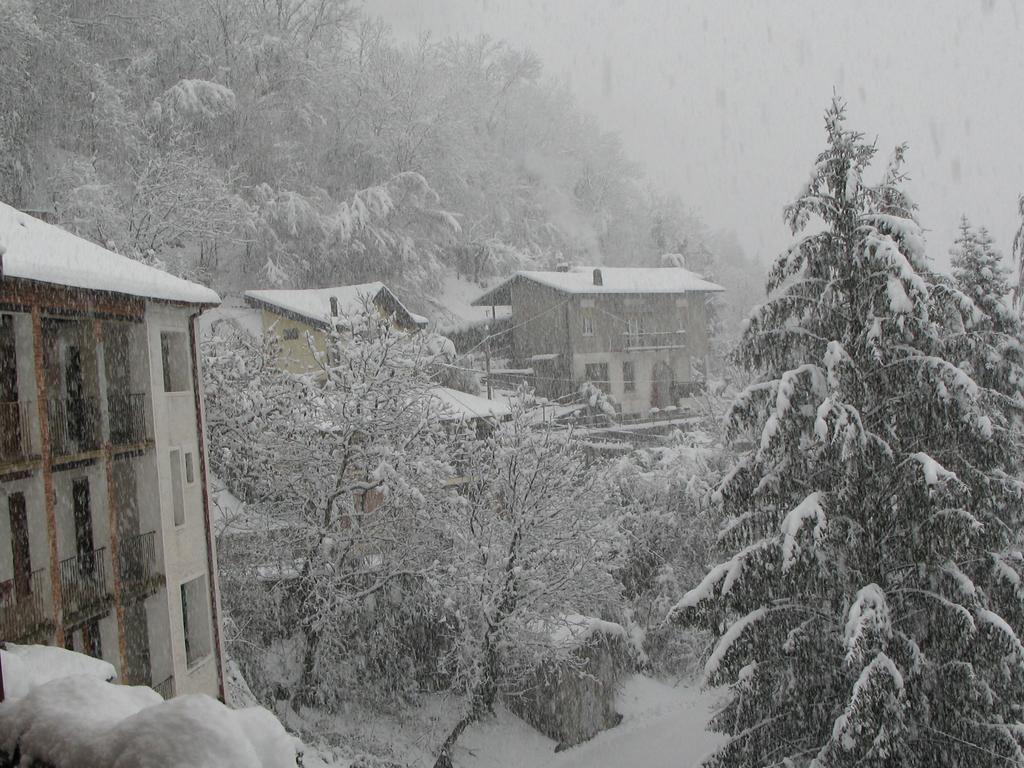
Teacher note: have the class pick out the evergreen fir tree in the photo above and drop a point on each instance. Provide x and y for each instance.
(1017, 252)
(979, 272)
(990, 348)
(870, 614)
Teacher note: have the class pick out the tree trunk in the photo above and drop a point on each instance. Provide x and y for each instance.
(482, 702)
(304, 695)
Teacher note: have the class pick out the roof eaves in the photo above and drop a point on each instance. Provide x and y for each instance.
(258, 303)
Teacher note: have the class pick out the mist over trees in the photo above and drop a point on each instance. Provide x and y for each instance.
(249, 143)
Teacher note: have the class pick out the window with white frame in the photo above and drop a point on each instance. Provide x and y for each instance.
(628, 376)
(195, 620)
(634, 330)
(597, 374)
(587, 320)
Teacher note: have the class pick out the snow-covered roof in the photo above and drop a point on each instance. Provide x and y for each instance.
(462, 405)
(452, 307)
(314, 304)
(235, 311)
(31, 249)
(581, 280)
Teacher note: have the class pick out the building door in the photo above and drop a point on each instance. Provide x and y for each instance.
(83, 524)
(661, 385)
(20, 554)
(74, 387)
(10, 418)
(137, 643)
(91, 642)
(126, 497)
(131, 555)
(119, 402)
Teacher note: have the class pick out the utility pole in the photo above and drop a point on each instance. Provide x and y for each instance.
(487, 355)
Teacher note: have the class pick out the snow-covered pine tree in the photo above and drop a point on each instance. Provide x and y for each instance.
(870, 614)
(979, 270)
(990, 348)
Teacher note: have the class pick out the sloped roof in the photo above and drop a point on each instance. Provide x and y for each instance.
(314, 304)
(462, 405)
(580, 280)
(451, 306)
(31, 249)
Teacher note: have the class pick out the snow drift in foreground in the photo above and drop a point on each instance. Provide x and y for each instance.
(84, 721)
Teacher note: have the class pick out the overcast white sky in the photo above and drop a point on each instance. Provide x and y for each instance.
(722, 101)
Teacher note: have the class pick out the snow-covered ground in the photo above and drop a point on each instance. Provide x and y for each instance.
(663, 726)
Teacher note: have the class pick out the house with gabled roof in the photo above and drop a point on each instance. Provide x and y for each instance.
(640, 334)
(106, 546)
(300, 318)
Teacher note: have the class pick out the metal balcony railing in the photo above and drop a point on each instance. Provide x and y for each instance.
(84, 587)
(23, 617)
(138, 565)
(655, 340)
(165, 687)
(16, 432)
(74, 425)
(128, 425)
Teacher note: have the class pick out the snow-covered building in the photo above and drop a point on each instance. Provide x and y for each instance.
(105, 538)
(296, 316)
(634, 332)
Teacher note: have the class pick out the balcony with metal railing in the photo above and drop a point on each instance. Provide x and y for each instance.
(654, 340)
(16, 443)
(165, 687)
(23, 614)
(84, 587)
(140, 574)
(129, 424)
(74, 425)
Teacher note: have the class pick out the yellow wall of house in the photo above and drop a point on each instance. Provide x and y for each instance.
(296, 355)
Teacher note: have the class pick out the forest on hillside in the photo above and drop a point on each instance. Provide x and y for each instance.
(295, 143)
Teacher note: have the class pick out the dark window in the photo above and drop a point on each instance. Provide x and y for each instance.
(19, 544)
(290, 334)
(190, 473)
(177, 492)
(82, 506)
(185, 623)
(91, 643)
(176, 362)
(628, 377)
(8, 369)
(195, 620)
(11, 425)
(635, 333)
(597, 373)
